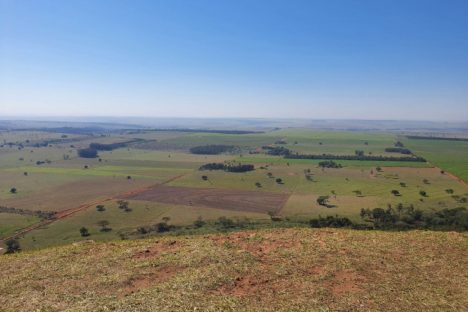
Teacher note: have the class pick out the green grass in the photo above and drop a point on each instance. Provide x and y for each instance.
(64, 184)
(451, 156)
(142, 214)
(10, 223)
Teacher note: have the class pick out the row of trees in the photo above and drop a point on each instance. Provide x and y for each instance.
(400, 218)
(24, 212)
(356, 157)
(400, 150)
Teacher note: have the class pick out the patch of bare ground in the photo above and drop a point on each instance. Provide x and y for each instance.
(345, 282)
(229, 199)
(156, 249)
(147, 280)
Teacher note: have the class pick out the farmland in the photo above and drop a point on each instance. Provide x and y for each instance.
(159, 178)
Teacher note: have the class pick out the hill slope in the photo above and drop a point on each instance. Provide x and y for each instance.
(286, 269)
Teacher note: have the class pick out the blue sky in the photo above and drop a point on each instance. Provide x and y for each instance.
(355, 59)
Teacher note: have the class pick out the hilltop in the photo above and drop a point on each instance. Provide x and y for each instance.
(263, 270)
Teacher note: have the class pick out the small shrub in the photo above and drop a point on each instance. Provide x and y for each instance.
(84, 232)
(12, 246)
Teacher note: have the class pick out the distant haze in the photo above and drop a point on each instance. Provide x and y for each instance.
(387, 59)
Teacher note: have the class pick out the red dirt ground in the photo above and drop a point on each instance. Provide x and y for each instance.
(238, 200)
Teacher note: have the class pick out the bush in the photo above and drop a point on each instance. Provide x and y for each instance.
(323, 200)
(12, 246)
(199, 223)
(84, 232)
(162, 227)
(226, 223)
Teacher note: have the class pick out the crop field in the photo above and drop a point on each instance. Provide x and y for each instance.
(159, 177)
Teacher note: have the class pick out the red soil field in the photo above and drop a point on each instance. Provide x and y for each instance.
(238, 200)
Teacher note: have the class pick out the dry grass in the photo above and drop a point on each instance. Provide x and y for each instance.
(267, 270)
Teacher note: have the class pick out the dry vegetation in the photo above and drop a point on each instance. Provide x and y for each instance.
(267, 270)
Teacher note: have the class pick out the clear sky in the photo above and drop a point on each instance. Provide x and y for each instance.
(358, 59)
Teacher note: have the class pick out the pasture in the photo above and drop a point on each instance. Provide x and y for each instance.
(160, 178)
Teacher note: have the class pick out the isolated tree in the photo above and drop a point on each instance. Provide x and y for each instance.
(423, 193)
(163, 226)
(323, 200)
(84, 232)
(12, 246)
(104, 225)
(13, 190)
(279, 181)
(123, 204)
(204, 178)
(357, 192)
(426, 181)
(258, 184)
(129, 177)
(395, 192)
(449, 191)
(25, 173)
(100, 208)
(402, 184)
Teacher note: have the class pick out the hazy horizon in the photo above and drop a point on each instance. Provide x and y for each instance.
(385, 60)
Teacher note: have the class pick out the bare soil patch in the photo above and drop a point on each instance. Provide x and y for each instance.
(237, 200)
(345, 282)
(143, 281)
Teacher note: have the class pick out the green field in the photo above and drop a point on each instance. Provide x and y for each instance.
(451, 156)
(66, 181)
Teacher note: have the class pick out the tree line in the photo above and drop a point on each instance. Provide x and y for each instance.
(356, 157)
(400, 150)
(401, 217)
(422, 137)
(37, 213)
